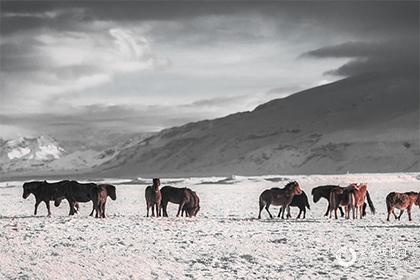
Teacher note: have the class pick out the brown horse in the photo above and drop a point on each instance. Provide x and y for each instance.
(192, 207)
(99, 196)
(278, 197)
(181, 196)
(401, 201)
(360, 195)
(153, 198)
(342, 197)
(300, 201)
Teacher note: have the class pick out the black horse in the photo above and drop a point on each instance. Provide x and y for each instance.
(300, 201)
(76, 192)
(43, 191)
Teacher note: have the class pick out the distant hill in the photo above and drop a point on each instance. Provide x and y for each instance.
(367, 123)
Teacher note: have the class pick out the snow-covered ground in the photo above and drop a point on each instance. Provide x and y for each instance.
(225, 240)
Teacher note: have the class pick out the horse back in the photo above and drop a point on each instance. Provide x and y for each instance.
(173, 194)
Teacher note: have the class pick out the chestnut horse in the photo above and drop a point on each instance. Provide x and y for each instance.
(401, 201)
(278, 197)
(360, 195)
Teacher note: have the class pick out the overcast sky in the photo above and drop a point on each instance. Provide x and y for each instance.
(150, 65)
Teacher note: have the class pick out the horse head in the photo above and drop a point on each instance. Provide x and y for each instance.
(295, 188)
(30, 187)
(316, 194)
(156, 183)
(111, 192)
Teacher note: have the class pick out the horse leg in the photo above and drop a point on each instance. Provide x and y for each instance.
(47, 203)
(262, 204)
(93, 209)
(271, 216)
(300, 212)
(37, 202)
(401, 212)
(389, 214)
(409, 213)
(181, 205)
(157, 210)
(147, 208)
(328, 210)
(393, 212)
(103, 210)
(304, 212)
(341, 211)
(164, 205)
(288, 213)
(153, 209)
(278, 216)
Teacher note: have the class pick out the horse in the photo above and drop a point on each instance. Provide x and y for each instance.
(300, 201)
(43, 191)
(75, 192)
(324, 192)
(99, 195)
(153, 198)
(342, 197)
(401, 201)
(278, 197)
(192, 207)
(181, 196)
(360, 195)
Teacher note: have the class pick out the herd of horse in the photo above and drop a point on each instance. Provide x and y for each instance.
(351, 198)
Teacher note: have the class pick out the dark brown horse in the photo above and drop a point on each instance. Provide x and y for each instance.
(342, 197)
(401, 201)
(181, 196)
(99, 195)
(43, 191)
(153, 198)
(300, 201)
(75, 192)
(192, 207)
(278, 197)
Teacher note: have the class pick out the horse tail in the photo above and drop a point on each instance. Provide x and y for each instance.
(372, 208)
(306, 201)
(261, 202)
(332, 200)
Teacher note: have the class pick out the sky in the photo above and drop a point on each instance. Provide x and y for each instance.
(134, 66)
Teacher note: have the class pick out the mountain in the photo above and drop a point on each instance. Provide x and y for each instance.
(366, 123)
(40, 156)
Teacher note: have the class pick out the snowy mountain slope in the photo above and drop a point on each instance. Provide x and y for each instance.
(367, 123)
(45, 155)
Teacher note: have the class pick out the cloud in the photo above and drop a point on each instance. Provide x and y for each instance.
(53, 64)
(398, 57)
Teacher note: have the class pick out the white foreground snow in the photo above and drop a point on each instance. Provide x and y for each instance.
(225, 240)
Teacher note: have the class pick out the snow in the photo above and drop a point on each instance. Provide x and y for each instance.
(48, 152)
(225, 240)
(18, 153)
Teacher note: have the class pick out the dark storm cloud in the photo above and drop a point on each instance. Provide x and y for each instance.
(378, 16)
(398, 57)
